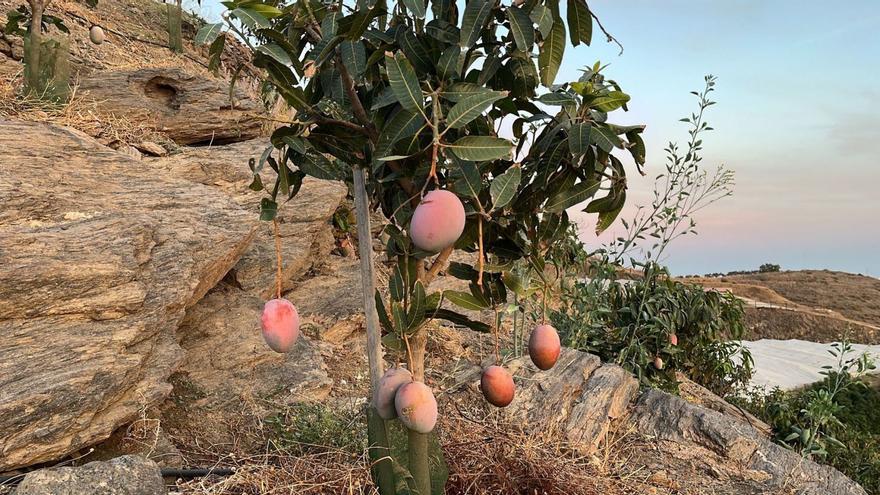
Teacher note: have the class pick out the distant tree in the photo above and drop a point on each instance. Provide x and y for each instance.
(769, 267)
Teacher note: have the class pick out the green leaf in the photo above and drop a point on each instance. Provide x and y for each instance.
(476, 13)
(570, 196)
(481, 148)
(604, 138)
(543, 18)
(404, 82)
(268, 209)
(396, 286)
(504, 187)
(354, 57)
(606, 218)
(417, 306)
(417, 7)
(215, 52)
(251, 18)
(522, 28)
(557, 99)
(460, 319)
(580, 22)
(470, 182)
(550, 55)
(318, 166)
(462, 90)
(267, 11)
(276, 52)
(464, 300)
(383, 313)
(471, 107)
(449, 65)
(611, 101)
(208, 33)
(404, 124)
(579, 138)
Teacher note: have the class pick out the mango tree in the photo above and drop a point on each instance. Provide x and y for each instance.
(431, 113)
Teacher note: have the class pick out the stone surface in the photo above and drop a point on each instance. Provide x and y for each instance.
(127, 475)
(186, 107)
(737, 445)
(701, 396)
(226, 353)
(576, 399)
(101, 258)
(303, 222)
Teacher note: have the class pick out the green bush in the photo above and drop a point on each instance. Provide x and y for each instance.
(835, 421)
(316, 427)
(632, 323)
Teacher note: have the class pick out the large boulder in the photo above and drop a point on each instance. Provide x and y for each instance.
(575, 400)
(303, 222)
(101, 257)
(730, 448)
(126, 475)
(187, 107)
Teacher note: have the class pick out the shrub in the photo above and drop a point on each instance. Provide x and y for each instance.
(315, 427)
(835, 421)
(632, 323)
(768, 268)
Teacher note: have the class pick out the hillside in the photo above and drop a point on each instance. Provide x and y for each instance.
(134, 275)
(815, 305)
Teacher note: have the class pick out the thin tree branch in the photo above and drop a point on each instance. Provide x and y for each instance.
(607, 34)
(439, 264)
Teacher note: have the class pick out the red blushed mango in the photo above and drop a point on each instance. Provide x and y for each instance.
(658, 362)
(392, 380)
(416, 407)
(280, 323)
(497, 386)
(673, 339)
(437, 222)
(544, 346)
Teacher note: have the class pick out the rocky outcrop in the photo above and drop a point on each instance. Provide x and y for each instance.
(303, 222)
(186, 107)
(127, 475)
(576, 399)
(738, 446)
(101, 257)
(226, 354)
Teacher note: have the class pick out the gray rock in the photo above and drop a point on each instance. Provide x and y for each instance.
(101, 257)
(670, 418)
(306, 235)
(127, 475)
(186, 107)
(577, 399)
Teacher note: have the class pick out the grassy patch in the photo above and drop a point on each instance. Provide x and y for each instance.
(315, 427)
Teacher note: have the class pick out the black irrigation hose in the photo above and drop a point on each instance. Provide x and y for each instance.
(166, 473)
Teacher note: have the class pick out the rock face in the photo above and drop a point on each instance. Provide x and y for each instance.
(101, 257)
(302, 222)
(127, 475)
(226, 353)
(576, 399)
(737, 445)
(187, 108)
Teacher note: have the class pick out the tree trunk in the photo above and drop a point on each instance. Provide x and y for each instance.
(417, 445)
(379, 449)
(35, 40)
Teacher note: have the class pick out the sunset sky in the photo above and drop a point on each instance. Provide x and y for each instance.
(797, 116)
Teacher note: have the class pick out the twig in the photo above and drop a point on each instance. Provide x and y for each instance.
(277, 259)
(607, 34)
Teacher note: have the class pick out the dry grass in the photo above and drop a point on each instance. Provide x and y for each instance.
(335, 472)
(485, 456)
(79, 113)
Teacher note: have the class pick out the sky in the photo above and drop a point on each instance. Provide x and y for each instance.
(797, 119)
